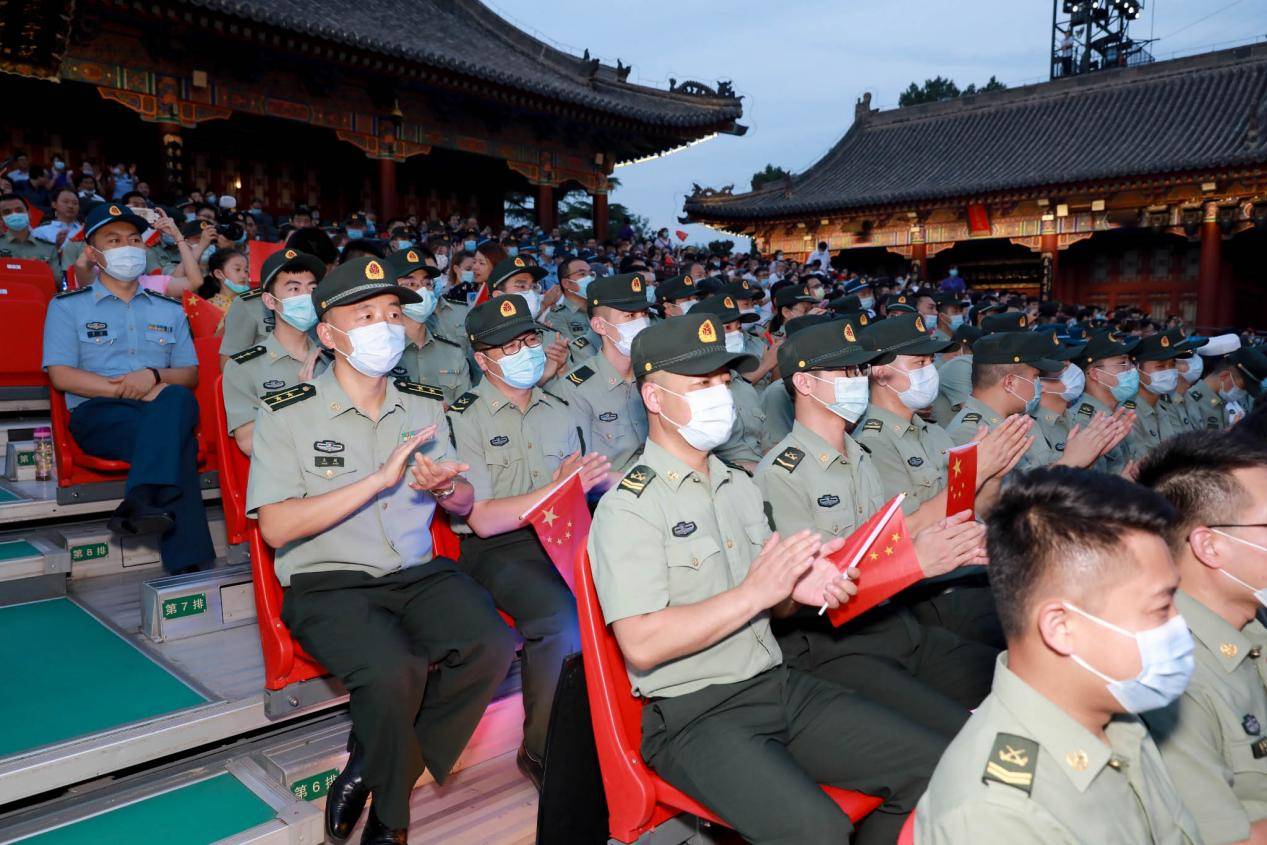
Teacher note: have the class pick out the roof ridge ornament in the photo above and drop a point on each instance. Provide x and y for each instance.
(862, 109)
(692, 88)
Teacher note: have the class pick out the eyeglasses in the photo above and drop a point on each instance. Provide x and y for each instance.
(532, 341)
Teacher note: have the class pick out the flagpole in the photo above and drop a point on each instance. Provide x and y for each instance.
(552, 491)
(875, 533)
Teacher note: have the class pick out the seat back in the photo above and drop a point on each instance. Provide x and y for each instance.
(74, 467)
(234, 466)
(28, 271)
(22, 310)
(208, 396)
(906, 836)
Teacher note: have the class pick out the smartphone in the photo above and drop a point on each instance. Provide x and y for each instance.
(149, 215)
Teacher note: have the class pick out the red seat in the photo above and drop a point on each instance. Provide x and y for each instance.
(28, 271)
(208, 395)
(74, 466)
(637, 798)
(234, 466)
(22, 310)
(907, 835)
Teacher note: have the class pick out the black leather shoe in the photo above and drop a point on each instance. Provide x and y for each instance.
(533, 769)
(377, 833)
(132, 517)
(347, 796)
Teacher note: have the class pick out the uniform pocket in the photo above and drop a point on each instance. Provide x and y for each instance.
(696, 568)
(163, 339)
(324, 470)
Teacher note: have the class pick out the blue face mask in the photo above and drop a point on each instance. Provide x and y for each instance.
(583, 284)
(512, 251)
(525, 368)
(404, 243)
(1031, 404)
(467, 276)
(235, 287)
(298, 311)
(420, 311)
(956, 321)
(207, 253)
(18, 221)
(469, 245)
(355, 234)
(1127, 385)
(547, 251)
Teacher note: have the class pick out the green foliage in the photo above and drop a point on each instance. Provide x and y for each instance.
(772, 173)
(940, 88)
(725, 247)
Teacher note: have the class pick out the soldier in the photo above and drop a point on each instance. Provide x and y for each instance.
(520, 276)
(746, 295)
(790, 302)
(1109, 381)
(285, 357)
(776, 404)
(818, 477)
(950, 315)
(726, 722)
(601, 392)
(1174, 411)
(676, 295)
(1154, 357)
(568, 318)
(954, 374)
(1212, 738)
(247, 323)
(743, 448)
(428, 358)
(1184, 409)
(518, 439)
(1055, 754)
(366, 595)
(16, 241)
(449, 318)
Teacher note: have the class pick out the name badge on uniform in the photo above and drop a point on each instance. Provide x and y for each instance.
(499, 440)
(328, 446)
(916, 461)
(155, 327)
(608, 416)
(274, 384)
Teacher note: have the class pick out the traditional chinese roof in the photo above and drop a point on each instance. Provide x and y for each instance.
(465, 37)
(1192, 115)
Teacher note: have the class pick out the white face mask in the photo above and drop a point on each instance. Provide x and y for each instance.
(923, 389)
(442, 261)
(734, 342)
(867, 302)
(1074, 380)
(1260, 594)
(712, 416)
(685, 306)
(533, 299)
(1162, 381)
(1233, 393)
(1165, 660)
(376, 348)
(1196, 366)
(124, 263)
(851, 395)
(420, 311)
(626, 332)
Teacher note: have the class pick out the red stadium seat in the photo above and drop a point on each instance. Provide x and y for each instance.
(907, 834)
(72, 280)
(638, 800)
(22, 310)
(234, 466)
(28, 271)
(208, 396)
(74, 466)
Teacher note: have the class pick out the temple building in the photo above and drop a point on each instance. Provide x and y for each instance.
(428, 107)
(1135, 186)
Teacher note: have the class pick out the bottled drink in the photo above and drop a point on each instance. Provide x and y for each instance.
(43, 453)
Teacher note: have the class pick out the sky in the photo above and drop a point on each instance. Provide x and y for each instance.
(801, 65)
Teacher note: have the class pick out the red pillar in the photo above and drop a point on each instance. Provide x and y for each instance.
(1208, 294)
(600, 217)
(919, 252)
(547, 210)
(386, 190)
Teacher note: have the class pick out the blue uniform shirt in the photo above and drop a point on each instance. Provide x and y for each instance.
(92, 329)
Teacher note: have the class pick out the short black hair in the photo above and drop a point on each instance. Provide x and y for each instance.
(988, 375)
(315, 242)
(19, 198)
(565, 266)
(1063, 524)
(1194, 472)
(360, 248)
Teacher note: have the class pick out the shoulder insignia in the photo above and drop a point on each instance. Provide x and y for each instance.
(790, 458)
(1086, 410)
(864, 447)
(580, 375)
(971, 418)
(1013, 760)
(289, 396)
(581, 342)
(873, 425)
(736, 467)
(446, 340)
(556, 397)
(637, 479)
(74, 292)
(248, 354)
(251, 294)
(1130, 404)
(1196, 395)
(413, 388)
(463, 402)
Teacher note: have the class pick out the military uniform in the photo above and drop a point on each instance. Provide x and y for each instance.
(439, 361)
(31, 248)
(909, 454)
(366, 597)
(1172, 415)
(1024, 771)
(1114, 460)
(1146, 433)
(976, 413)
(777, 407)
(449, 320)
(1055, 428)
(254, 373)
(247, 323)
(1212, 739)
(745, 438)
(1211, 410)
(573, 324)
(611, 408)
(954, 386)
(1102, 345)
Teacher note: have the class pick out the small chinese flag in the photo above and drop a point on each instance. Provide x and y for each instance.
(152, 239)
(961, 485)
(882, 552)
(257, 253)
(681, 236)
(204, 318)
(562, 522)
(482, 295)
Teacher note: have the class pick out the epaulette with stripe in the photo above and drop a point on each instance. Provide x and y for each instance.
(446, 340)
(67, 293)
(1013, 761)
(413, 388)
(581, 342)
(971, 417)
(580, 375)
(790, 458)
(289, 396)
(463, 402)
(251, 294)
(873, 425)
(1129, 404)
(637, 479)
(1086, 410)
(248, 354)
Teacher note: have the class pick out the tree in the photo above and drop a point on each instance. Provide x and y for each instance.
(940, 88)
(772, 173)
(725, 247)
(992, 85)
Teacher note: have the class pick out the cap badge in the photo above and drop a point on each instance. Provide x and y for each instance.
(862, 318)
(636, 284)
(919, 324)
(508, 307)
(902, 299)
(707, 334)
(849, 335)
(1165, 342)
(689, 282)
(519, 262)
(114, 211)
(1055, 341)
(290, 253)
(728, 302)
(1020, 321)
(411, 257)
(374, 271)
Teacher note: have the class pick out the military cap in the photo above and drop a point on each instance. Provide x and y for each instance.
(1186, 344)
(1251, 363)
(500, 319)
(726, 309)
(901, 334)
(947, 299)
(711, 285)
(287, 259)
(744, 289)
(508, 267)
(899, 303)
(357, 280)
(829, 345)
(406, 261)
(966, 333)
(1009, 321)
(690, 345)
(1158, 347)
(1055, 346)
(845, 304)
(623, 292)
(804, 321)
(1043, 351)
(857, 285)
(1106, 344)
(787, 296)
(680, 286)
(195, 227)
(112, 212)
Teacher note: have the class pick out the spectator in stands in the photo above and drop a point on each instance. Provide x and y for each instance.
(952, 283)
(125, 360)
(36, 189)
(64, 224)
(487, 255)
(16, 242)
(820, 258)
(227, 278)
(430, 358)
(18, 173)
(88, 190)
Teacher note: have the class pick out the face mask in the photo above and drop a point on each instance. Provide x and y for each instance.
(442, 261)
(190, 216)
(712, 417)
(1074, 381)
(420, 311)
(1163, 381)
(467, 276)
(923, 389)
(406, 244)
(235, 287)
(512, 251)
(533, 299)
(1127, 385)
(355, 234)
(817, 293)
(686, 306)
(1196, 366)
(469, 246)
(1233, 393)
(734, 342)
(851, 396)
(124, 263)
(211, 250)
(930, 321)
(954, 271)
(547, 251)
(376, 348)
(525, 368)
(583, 284)
(627, 332)
(1031, 404)
(59, 165)
(956, 320)
(867, 302)
(1261, 594)
(17, 222)
(1165, 659)
(650, 293)
(298, 311)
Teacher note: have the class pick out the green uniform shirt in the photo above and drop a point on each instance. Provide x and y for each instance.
(311, 440)
(572, 323)
(695, 536)
(1191, 408)
(954, 386)
(807, 483)
(1211, 409)
(256, 372)
(745, 438)
(1055, 427)
(1172, 413)
(247, 323)
(1146, 433)
(779, 414)
(975, 413)
(609, 408)
(1214, 738)
(756, 346)
(449, 320)
(32, 248)
(909, 454)
(1023, 771)
(1081, 414)
(439, 361)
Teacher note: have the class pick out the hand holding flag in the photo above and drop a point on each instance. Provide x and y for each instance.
(961, 485)
(562, 523)
(884, 556)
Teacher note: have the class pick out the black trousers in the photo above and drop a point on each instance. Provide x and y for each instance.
(380, 636)
(755, 751)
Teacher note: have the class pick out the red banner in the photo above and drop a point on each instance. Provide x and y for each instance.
(257, 253)
(978, 220)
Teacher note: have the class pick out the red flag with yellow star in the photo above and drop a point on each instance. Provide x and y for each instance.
(204, 317)
(961, 475)
(257, 252)
(562, 522)
(882, 552)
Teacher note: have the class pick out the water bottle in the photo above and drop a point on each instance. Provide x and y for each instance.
(43, 453)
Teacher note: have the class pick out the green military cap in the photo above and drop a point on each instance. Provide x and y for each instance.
(898, 303)
(804, 321)
(406, 261)
(1008, 321)
(711, 285)
(676, 287)
(1043, 351)
(829, 345)
(500, 319)
(1106, 344)
(948, 299)
(509, 267)
(193, 228)
(1252, 365)
(792, 294)
(966, 333)
(1070, 349)
(845, 304)
(744, 289)
(290, 261)
(1158, 347)
(724, 306)
(623, 292)
(690, 345)
(357, 280)
(901, 334)
(1187, 344)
